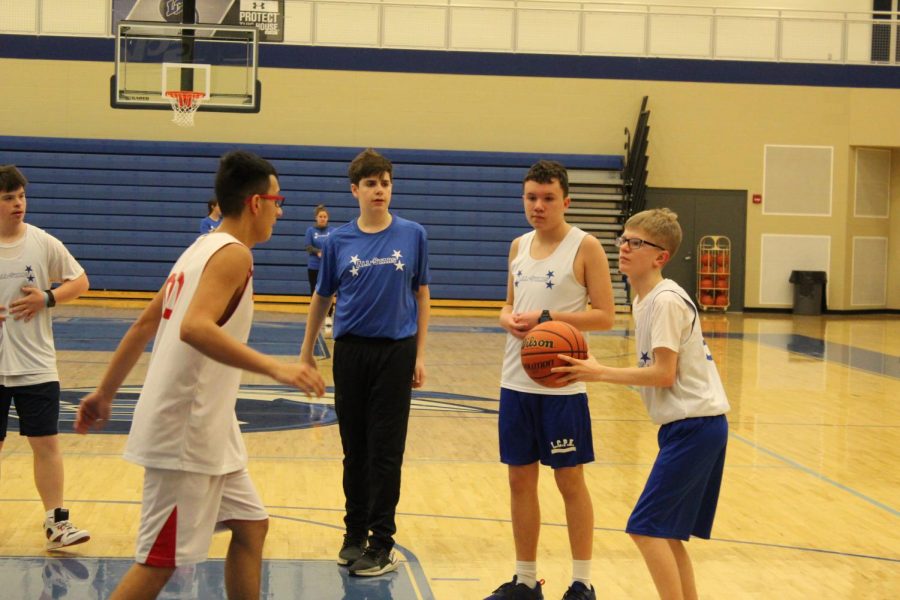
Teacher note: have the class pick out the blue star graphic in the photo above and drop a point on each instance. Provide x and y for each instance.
(31, 278)
(28, 269)
(550, 274)
(549, 285)
(645, 359)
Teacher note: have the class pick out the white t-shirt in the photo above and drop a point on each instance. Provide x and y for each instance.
(184, 419)
(667, 318)
(27, 352)
(548, 283)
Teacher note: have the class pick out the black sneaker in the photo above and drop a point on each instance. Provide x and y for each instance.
(374, 562)
(579, 591)
(351, 551)
(511, 590)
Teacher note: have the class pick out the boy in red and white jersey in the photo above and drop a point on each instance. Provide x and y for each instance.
(185, 432)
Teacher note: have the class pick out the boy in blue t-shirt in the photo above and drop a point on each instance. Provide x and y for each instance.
(683, 393)
(377, 264)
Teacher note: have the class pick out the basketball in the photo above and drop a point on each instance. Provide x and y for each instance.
(543, 343)
(722, 300)
(722, 269)
(705, 259)
(722, 260)
(706, 282)
(722, 284)
(706, 299)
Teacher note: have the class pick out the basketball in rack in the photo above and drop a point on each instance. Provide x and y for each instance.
(184, 103)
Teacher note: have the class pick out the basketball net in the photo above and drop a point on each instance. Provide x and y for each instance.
(185, 104)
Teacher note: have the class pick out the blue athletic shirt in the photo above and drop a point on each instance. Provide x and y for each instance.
(316, 237)
(208, 224)
(376, 277)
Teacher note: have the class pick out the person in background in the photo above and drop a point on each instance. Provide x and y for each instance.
(213, 216)
(316, 236)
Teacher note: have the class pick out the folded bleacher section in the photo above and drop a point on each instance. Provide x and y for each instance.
(127, 209)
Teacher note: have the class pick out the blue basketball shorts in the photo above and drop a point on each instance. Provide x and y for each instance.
(681, 494)
(553, 429)
(37, 407)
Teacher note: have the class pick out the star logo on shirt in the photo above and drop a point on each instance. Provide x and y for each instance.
(397, 254)
(549, 285)
(354, 259)
(645, 359)
(354, 271)
(398, 266)
(549, 274)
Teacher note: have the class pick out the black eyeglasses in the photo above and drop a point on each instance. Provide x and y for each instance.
(278, 200)
(634, 243)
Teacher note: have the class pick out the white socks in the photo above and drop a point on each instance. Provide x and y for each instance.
(581, 571)
(526, 572)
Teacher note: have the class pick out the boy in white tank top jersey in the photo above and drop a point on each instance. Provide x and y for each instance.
(554, 271)
(681, 388)
(184, 431)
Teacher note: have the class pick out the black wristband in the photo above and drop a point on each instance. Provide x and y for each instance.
(51, 299)
(545, 316)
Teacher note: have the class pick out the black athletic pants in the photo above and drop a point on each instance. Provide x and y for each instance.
(372, 392)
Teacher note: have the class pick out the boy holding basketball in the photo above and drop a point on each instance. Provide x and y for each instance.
(30, 260)
(377, 264)
(185, 432)
(681, 388)
(554, 271)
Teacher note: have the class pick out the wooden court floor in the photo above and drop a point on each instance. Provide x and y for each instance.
(810, 506)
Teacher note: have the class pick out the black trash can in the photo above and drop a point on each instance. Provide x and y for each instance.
(809, 292)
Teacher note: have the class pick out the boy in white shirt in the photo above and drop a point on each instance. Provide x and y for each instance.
(30, 260)
(681, 388)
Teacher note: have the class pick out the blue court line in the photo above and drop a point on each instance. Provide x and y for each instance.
(850, 356)
(817, 475)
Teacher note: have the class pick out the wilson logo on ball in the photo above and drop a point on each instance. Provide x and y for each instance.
(531, 342)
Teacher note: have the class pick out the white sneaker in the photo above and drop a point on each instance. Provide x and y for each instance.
(61, 532)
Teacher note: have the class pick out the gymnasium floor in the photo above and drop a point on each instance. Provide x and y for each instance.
(810, 506)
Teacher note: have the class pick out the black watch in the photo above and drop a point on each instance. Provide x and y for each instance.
(51, 299)
(545, 316)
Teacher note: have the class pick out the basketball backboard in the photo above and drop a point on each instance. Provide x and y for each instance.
(153, 59)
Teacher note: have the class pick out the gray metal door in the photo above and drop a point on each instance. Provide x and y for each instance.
(706, 212)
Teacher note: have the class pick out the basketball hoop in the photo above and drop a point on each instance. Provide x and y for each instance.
(185, 103)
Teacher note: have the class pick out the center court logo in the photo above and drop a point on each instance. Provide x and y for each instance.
(262, 408)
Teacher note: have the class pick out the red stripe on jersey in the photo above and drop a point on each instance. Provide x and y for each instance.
(162, 554)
